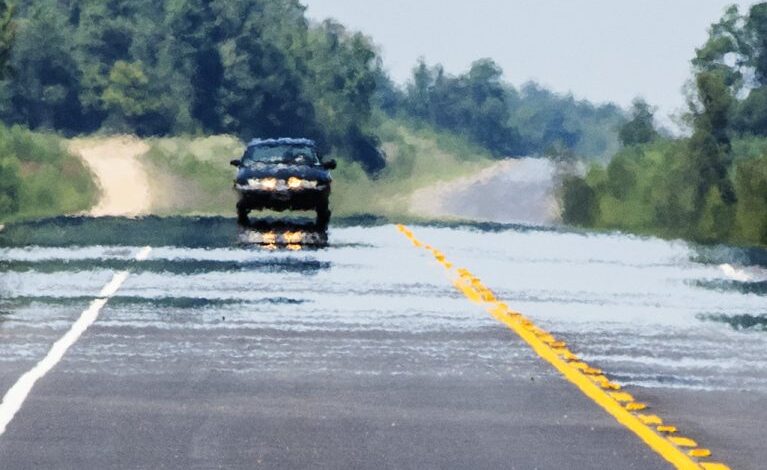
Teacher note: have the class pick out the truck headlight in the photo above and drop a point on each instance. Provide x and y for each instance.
(298, 183)
(294, 183)
(267, 184)
(273, 184)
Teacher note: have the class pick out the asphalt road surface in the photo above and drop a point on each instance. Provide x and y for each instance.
(218, 347)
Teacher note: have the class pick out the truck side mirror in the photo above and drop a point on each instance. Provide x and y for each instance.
(329, 165)
(235, 162)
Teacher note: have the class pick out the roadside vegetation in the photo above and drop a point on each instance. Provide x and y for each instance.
(39, 177)
(710, 186)
(178, 71)
(530, 121)
(191, 175)
(259, 68)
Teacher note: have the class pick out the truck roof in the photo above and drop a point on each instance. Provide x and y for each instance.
(281, 141)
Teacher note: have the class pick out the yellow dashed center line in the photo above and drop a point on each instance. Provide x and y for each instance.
(682, 452)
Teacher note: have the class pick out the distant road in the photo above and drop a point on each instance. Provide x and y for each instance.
(211, 354)
(511, 191)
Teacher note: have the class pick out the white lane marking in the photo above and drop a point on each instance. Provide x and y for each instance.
(15, 396)
(736, 274)
(112, 286)
(144, 253)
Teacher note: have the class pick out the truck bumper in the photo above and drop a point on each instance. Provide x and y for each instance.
(304, 199)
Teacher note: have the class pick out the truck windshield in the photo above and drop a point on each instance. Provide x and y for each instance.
(291, 154)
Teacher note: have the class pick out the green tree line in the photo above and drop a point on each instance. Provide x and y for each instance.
(710, 186)
(507, 121)
(251, 68)
(38, 176)
(259, 68)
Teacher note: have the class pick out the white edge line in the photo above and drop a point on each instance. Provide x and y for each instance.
(111, 288)
(143, 254)
(15, 396)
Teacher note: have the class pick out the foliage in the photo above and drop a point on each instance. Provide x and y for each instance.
(711, 186)
(751, 188)
(39, 177)
(560, 124)
(258, 68)
(189, 175)
(736, 53)
(648, 189)
(508, 122)
(7, 35)
(252, 68)
(639, 129)
(345, 70)
(475, 104)
(579, 202)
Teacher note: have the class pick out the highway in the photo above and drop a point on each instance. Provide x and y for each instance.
(195, 343)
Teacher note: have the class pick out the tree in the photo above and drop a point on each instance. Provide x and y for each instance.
(388, 97)
(754, 32)
(10, 186)
(44, 92)
(709, 156)
(710, 143)
(7, 35)
(246, 67)
(736, 51)
(580, 205)
(263, 88)
(490, 121)
(726, 51)
(639, 129)
(344, 70)
(419, 91)
(693, 187)
(189, 64)
(751, 186)
(475, 103)
(130, 101)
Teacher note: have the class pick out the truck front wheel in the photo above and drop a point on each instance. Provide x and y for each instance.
(242, 215)
(323, 214)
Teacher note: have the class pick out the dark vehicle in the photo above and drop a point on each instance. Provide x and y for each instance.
(283, 174)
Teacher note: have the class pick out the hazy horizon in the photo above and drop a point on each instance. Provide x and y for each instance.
(603, 51)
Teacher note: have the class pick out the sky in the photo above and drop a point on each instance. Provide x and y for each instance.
(601, 50)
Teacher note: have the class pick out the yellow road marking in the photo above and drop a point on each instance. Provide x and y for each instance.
(680, 451)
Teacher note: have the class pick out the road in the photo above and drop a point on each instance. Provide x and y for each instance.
(216, 352)
(485, 196)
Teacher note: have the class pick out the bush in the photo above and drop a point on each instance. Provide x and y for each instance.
(751, 191)
(580, 206)
(190, 174)
(10, 186)
(650, 189)
(38, 177)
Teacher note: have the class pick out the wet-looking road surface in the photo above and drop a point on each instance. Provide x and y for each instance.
(361, 354)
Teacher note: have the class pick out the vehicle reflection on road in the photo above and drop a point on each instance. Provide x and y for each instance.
(288, 235)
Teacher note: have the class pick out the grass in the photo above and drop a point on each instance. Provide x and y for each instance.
(191, 175)
(39, 177)
(416, 157)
